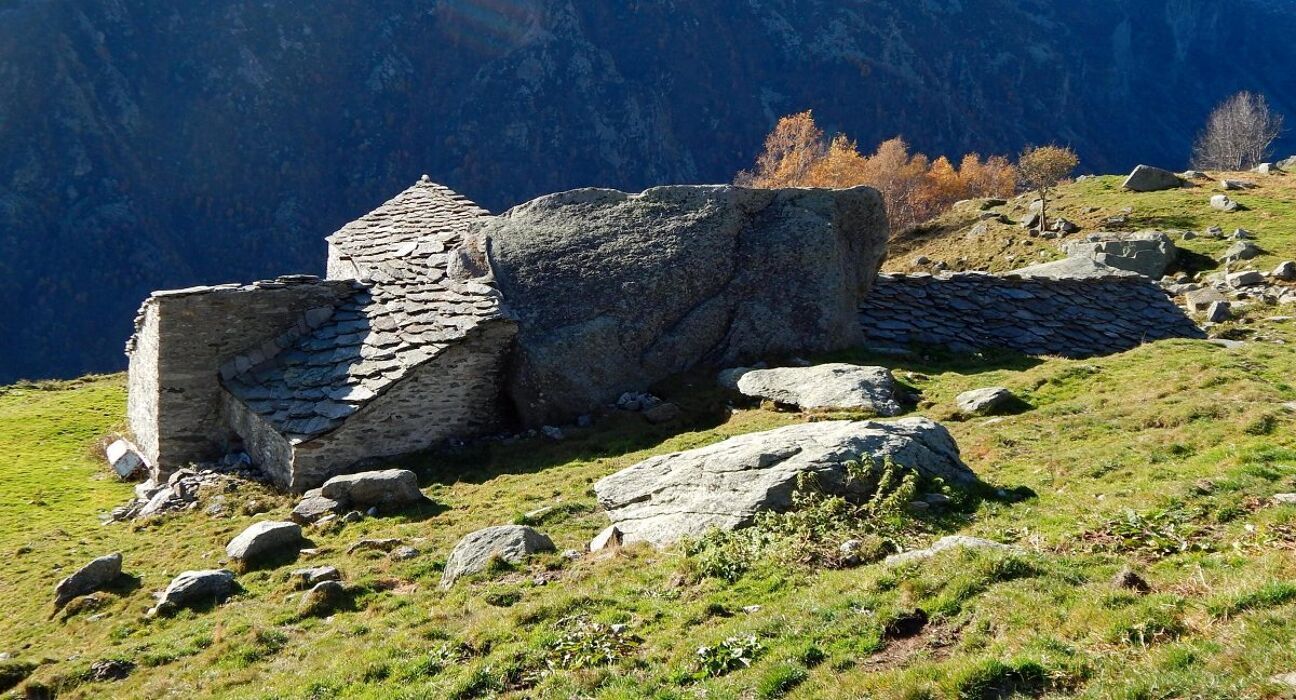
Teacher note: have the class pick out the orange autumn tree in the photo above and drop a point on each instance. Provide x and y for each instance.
(914, 188)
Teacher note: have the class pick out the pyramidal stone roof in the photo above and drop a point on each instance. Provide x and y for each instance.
(405, 313)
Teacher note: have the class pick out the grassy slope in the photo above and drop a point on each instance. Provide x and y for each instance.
(1189, 436)
(1271, 215)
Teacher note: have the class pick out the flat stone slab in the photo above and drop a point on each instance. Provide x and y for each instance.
(92, 577)
(511, 543)
(946, 543)
(829, 386)
(724, 486)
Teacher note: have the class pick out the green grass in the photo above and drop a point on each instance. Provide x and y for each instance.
(1147, 432)
(1163, 458)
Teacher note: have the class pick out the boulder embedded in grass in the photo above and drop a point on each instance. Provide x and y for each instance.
(509, 543)
(387, 488)
(92, 577)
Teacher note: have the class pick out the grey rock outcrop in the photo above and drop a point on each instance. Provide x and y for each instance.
(264, 539)
(510, 543)
(313, 506)
(1146, 178)
(725, 485)
(384, 488)
(92, 577)
(307, 578)
(984, 402)
(1236, 185)
(946, 543)
(1285, 271)
(194, 588)
(613, 291)
(830, 386)
(1242, 250)
(1148, 253)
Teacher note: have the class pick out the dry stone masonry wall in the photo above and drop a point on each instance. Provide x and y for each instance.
(185, 337)
(1032, 315)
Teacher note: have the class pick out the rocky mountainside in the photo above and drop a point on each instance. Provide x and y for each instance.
(147, 145)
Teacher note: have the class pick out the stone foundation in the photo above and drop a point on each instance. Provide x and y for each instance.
(1035, 316)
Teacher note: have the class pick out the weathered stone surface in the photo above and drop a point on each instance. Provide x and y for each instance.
(511, 543)
(1267, 169)
(609, 538)
(1031, 315)
(1201, 299)
(324, 598)
(613, 292)
(725, 485)
(314, 506)
(124, 459)
(308, 577)
(263, 539)
(1242, 250)
(1286, 271)
(1146, 178)
(1245, 278)
(946, 543)
(1235, 185)
(1218, 312)
(1224, 203)
(92, 577)
(1148, 253)
(984, 402)
(1073, 268)
(386, 488)
(194, 588)
(829, 386)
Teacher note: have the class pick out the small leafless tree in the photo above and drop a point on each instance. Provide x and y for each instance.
(1238, 134)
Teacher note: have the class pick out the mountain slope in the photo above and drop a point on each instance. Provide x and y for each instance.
(145, 146)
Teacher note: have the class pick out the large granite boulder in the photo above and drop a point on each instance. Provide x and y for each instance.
(1146, 178)
(831, 386)
(613, 291)
(92, 577)
(725, 485)
(1148, 253)
(510, 543)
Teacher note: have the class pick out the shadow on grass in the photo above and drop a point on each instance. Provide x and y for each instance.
(614, 433)
(939, 360)
(1191, 263)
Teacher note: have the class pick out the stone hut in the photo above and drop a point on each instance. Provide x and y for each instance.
(314, 377)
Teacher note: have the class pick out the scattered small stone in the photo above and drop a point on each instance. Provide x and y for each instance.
(309, 577)
(1219, 312)
(386, 488)
(510, 543)
(921, 260)
(1286, 271)
(380, 545)
(1241, 234)
(984, 402)
(1285, 498)
(403, 553)
(1222, 202)
(1128, 579)
(193, 588)
(609, 538)
(1245, 278)
(106, 670)
(1234, 185)
(751, 609)
(636, 401)
(264, 539)
(349, 517)
(944, 543)
(92, 577)
(324, 598)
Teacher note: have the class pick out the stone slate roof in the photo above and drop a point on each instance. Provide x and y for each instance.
(1035, 315)
(413, 229)
(408, 314)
